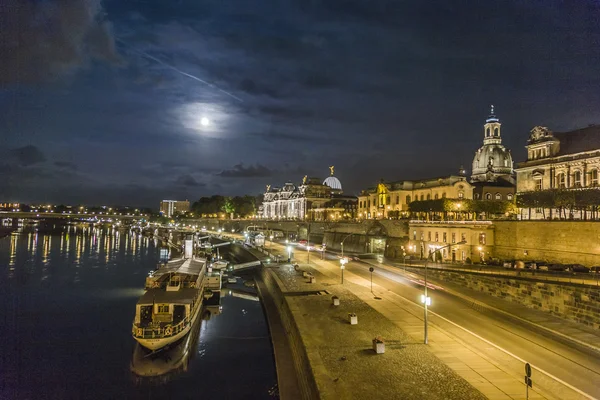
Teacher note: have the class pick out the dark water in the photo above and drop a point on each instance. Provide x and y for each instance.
(67, 304)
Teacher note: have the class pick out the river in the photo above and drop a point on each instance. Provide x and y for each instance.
(67, 303)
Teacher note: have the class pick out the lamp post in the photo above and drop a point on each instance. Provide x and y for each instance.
(343, 262)
(424, 298)
(289, 249)
(343, 240)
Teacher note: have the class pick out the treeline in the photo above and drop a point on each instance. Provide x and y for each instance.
(214, 206)
(446, 206)
(565, 201)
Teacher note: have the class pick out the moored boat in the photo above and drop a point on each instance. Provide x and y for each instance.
(171, 304)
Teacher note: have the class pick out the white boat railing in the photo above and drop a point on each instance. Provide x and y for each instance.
(157, 332)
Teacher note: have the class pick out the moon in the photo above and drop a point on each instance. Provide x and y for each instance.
(204, 121)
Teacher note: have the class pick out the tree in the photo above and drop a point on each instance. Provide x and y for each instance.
(228, 206)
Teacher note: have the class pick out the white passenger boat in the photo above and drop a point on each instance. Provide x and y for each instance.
(171, 304)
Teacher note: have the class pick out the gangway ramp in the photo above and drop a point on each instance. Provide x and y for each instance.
(246, 265)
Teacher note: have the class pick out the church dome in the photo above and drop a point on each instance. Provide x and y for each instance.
(333, 182)
(493, 158)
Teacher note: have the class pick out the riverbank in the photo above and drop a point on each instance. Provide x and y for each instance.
(333, 359)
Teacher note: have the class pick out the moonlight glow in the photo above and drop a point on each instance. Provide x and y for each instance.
(204, 121)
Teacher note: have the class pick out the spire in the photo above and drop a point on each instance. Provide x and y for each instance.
(492, 117)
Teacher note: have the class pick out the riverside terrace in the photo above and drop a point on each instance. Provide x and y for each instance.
(484, 340)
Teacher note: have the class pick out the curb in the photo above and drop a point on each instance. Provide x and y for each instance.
(507, 314)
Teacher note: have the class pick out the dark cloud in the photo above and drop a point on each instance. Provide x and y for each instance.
(66, 165)
(252, 171)
(188, 180)
(43, 39)
(28, 155)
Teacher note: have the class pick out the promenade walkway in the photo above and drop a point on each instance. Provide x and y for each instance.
(489, 369)
(344, 364)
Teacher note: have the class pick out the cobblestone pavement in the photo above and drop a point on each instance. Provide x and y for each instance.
(397, 322)
(343, 361)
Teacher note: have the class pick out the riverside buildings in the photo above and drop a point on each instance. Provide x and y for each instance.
(559, 160)
(313, 200)
(168, 208)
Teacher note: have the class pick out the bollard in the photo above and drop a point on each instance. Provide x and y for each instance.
(379, 345)
(335, 300)
(353, 319)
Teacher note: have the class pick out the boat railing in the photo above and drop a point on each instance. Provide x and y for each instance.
(160, 331)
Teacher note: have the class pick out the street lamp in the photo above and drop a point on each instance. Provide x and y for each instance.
(289, 249)
(343, 262)
(343, 240)
(426, 300)
(271, 244)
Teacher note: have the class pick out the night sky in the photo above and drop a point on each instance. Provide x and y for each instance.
(102, 102)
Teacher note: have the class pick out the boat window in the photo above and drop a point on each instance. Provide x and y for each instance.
(163, 308)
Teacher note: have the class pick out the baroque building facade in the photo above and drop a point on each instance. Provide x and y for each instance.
(559, 160)
(313, 200)
(377, 202)
(493, 174)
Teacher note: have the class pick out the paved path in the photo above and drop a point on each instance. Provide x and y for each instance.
(495, 374)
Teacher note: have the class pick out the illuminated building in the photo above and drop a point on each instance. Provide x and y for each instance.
(170, 207)
(312, 200)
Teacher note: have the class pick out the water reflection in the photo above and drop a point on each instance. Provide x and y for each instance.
(67, 296)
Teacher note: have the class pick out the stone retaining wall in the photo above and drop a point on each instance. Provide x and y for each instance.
(579, 303)
(304, 372)
(554, 241)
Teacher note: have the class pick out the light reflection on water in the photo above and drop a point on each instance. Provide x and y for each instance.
(68, 299)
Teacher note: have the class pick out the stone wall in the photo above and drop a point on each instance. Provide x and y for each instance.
(302, 366)
(567, 242)
(578, 303)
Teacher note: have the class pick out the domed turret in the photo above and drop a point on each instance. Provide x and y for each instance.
(333, 182)
(492, 160)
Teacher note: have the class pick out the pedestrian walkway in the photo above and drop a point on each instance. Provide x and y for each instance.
(489, 377)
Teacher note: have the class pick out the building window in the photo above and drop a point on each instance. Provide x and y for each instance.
(487, 132)
(387, 199)
(435, 196)
(560, 181)
(496, 132)
(498, 196)
(397, 199)
(488, 196)
(414, 235)
(577, 179)
(463, 237)
(538, 184)
(422, 197)
(444, 238)
(482, 238)
(407, 199)
(437, 237)
(429, 236)
(428, 197)
(509, 197)
(453, 237)
(461, 195)
(594, 177)
(476, 196)
(443, 195)
(422, 237)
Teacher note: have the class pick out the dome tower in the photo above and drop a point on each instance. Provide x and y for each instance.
(492, 160)
(333, 182)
